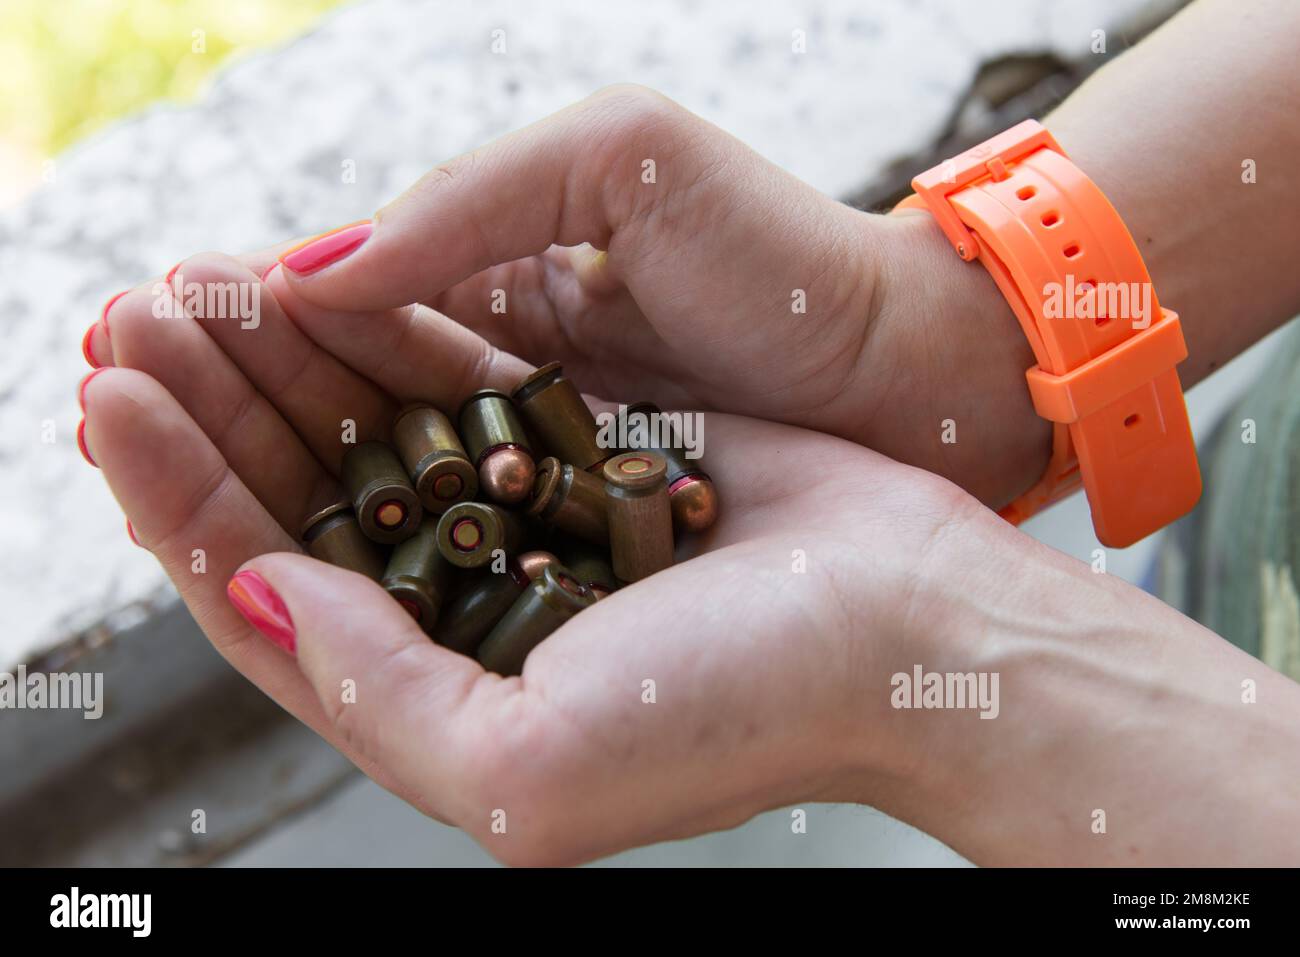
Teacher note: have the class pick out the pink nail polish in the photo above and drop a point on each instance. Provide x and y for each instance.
(257, 601)
(267, 271)
(103, 315)
(81, 388)
(130, 530)
(171, 274)
(85, 347)
(316, 254)
(81, 443)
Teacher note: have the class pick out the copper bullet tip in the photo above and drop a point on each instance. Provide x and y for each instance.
(534, 563)
(695, 505)
(507, 475)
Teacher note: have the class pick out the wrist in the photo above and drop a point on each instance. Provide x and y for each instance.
(944, 368)
(1123, 734)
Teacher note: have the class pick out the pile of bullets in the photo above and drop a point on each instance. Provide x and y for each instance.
(491, 547)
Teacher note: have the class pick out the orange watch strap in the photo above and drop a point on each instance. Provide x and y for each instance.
(1106, 352)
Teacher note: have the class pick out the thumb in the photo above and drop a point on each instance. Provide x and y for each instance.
(385, 687)
(575, 177)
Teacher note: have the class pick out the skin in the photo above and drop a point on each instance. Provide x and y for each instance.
(773, 687)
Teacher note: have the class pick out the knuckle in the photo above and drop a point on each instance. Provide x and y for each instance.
(210, 282)
(628, 111)
(440, 177)
(131, 322)
(210, 267)
(349, 723)
(634, 99)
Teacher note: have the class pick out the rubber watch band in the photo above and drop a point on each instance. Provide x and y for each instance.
(1105, 350)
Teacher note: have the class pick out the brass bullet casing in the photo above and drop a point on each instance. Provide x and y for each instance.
(468, 533)
(534, 563)
(691, 492)
(545, 605)
(333, 535)
(466, 620)
(434, 459)
(571, 500)
(590, 565)
(553, 408)
(417, 575)
(497, 446)
(640, 516)
(382, 495)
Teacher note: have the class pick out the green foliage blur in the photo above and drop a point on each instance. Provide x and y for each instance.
(69, 67)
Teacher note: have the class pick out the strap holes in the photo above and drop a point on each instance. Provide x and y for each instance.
(1132, 420)
(1051, 219)
(1026, 192)
(1071, 251)
(1090, 287)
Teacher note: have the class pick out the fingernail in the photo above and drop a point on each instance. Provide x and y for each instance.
(103, 315)
(267, 271)
(257, 601)
(130, 530)
(85, 347)
(81, 443)
(315, 254)
(167, 280)
(81, 388)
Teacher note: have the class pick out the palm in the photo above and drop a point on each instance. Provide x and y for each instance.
(234, 437)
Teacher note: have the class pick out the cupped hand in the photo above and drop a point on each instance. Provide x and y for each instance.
(654, 255)
(753, 674)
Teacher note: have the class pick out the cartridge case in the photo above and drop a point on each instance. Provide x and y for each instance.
(466, 620)
(640, 517)
(498, 446)
(590, 565)
(544, 606)
(387, 507)
(417, 575)
(434, 458)
(571, 500)
(692, 494)
(468, 533)
(553, 409)
(333, 535)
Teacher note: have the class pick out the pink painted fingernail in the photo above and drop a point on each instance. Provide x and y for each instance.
(315, 254)
(81, 388)
(171, 274)
(103, 314)
(85, 347)
(267, 271)
(130, 530)
(81, 444)
(257, 601)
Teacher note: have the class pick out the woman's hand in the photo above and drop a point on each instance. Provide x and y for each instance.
(725, 283)
(769, 651)
(773, 652)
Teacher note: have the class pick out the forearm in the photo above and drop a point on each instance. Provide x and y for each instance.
(1111, 704)
(1165, 131)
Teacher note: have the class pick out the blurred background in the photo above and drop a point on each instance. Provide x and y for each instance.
(68, 68)
(133, 134)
